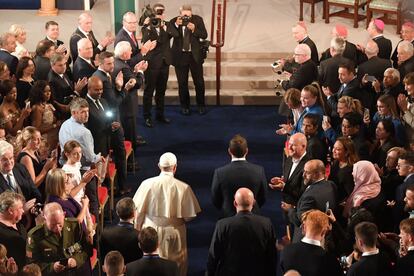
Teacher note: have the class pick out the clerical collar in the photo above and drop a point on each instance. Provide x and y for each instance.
(377, 36)
(370, 253)
(311, 241)
(238, 159)
(298, 160)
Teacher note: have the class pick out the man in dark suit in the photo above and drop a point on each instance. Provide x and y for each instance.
(244, 244)
(316, 147)
(405, 51)
(114, 264)
(308, 256)
(407, 34)
(375, 65)
(306, 73)
(300, 34)
(391, 84)
(187, 56)
(84, 30)
(134, 78)
(291, 183)
(151, 263)
(375, 30)
(372, 261)
(239, 173)
(351, 127)
(159, 60)
(404, 265)
(8, 46)
(83, 66)
(122, 237)
(318, 194)
(44, 50)
(15, 177)
(328, 69)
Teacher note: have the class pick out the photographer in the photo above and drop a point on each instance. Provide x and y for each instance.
(188, 56)
(159, 60)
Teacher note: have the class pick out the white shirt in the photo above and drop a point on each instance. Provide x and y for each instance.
(13, 181)
(238, 159)
(311, 241)
(370, 253)
(295, 163)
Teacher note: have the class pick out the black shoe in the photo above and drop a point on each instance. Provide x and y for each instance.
(163, 120)
(148, 122)
(185, 111)
(202, 110)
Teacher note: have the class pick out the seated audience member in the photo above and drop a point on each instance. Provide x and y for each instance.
(12, 232)
(291, 183)
(151, 263)
(390, 85)
(29, 143)
(43, 115)
(387, 109)
(31, 270)
(114, 264)
(12, 118)
(319, 191)
(306, 73)
(404, 265)
(58, 190)
(308, 256)
(7, 265)
(122, 237)
(15, 176)
(24, 79)
(292, 100)
(72, 153)
(316, 146)
(239, 173)
(385, 140)
(351, 128)
(367, 191)
(7, 47)
(405, 51)
(4, 71)
(244, 243)
(372, 261)
(344, 156)
(44, 50)
(407, 109)
(48, 244)
(20, 35)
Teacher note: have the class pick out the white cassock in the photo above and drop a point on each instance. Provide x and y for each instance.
(167, 203)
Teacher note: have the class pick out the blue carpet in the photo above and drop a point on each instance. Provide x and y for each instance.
(200, 144)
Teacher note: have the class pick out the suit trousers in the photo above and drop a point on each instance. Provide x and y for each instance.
(91, 191)
(130, 132)
(118, 147)
(187, 64)
(156, 79)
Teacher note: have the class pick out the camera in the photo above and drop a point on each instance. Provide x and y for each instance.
(186, 19)
(277, 67)
(155, 22)
(37, 209)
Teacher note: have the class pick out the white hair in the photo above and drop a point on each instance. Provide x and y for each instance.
(372, 48)
(338, 44)
(82, 42)
(395, 73)
(303, 49)
(121, 48)
(406, 47)
(5, 147)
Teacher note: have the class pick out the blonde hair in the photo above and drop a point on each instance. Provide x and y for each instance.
(24, 137)
(55, 183)
(16, 29)
(352, 104)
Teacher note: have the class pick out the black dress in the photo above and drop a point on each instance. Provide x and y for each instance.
(23, 90)
(38, 167)
(343, 179)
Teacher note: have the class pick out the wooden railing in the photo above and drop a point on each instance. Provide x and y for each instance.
(220, 35)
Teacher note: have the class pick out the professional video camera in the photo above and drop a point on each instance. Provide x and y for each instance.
(186, 19)
(278, 68)
(151, 14)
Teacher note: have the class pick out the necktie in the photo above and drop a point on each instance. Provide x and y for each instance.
(89, 35)
(10, 183)
(98, 105)
(109, 77)
(341, 89)
(186, 40)
(133, 39)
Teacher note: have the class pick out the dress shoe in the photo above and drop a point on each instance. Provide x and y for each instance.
(148, 122)
(201, 110)
(163, 120)
(185, 111)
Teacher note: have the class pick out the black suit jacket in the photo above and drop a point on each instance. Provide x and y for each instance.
(60, 88)
(328, 72)
(228, 179)
(312, 46)
(309, 259)
(317, 148)
(73, 44)
(10, 60)
(81, 69)
(394, 56)
(136, 56)
(352, 89)
(100, 126)
(242, 245)
(351, 52)
(294, 184)
(306, 73)
(42, 67)
(375, 66)
(23, 179)
(406, 67)
(375, 265)
(177, 46)
(112, 96)
(384, 46)
(123, 238)
(152, 266)
(315, 196)
(128, 105)
(404, 266)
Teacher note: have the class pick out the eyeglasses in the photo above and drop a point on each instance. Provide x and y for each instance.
(402, 165)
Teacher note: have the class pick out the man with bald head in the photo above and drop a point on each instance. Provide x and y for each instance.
(244, 244)
(83, 67)
(291, 183)
(306, 73)
(374, 66)
(59, 238)
(84, 30)
(319, 194)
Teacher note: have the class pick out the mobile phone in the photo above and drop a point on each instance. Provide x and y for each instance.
(366, 113)
(326, 207)
(325, 119)
(27, 104)
(64, 262)
(371, 78)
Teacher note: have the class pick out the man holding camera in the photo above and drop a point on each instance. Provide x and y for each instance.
(187, 56)
(159, 60)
